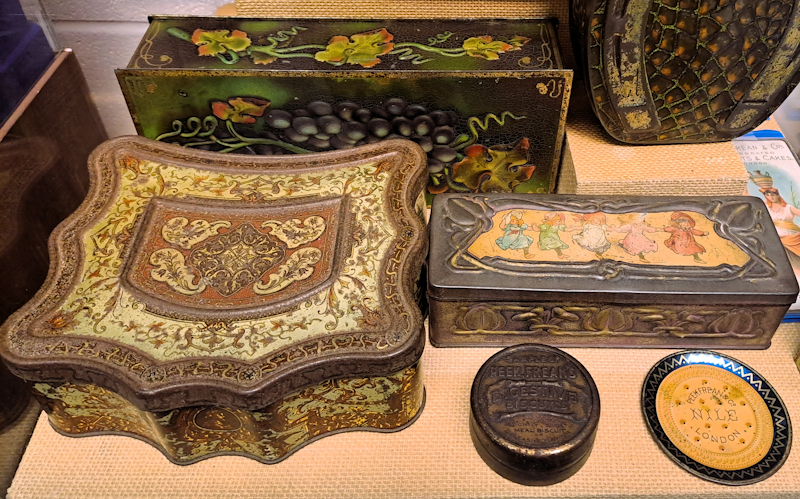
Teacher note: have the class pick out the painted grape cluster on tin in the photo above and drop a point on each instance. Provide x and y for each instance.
(487, 109)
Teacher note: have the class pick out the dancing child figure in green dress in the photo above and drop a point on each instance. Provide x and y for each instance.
(552, 224)
(513, 236)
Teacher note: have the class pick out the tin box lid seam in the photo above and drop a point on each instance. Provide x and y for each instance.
(739, 252)
(489, 294)
(491, 447)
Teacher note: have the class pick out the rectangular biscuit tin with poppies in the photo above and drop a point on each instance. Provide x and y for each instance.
(632, 271)
(486, 99)
(213, 306)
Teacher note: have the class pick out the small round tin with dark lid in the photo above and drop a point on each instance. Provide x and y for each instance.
(534, 414)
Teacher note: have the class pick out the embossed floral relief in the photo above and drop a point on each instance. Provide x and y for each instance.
(298, 267)
(609, 320)
(78, 408)
(191, 433)
(252, 124)
(179, 232)
(486, 47)
(239, 109)
(219, 42)
(456, 162)
(295, 232)
(101, 306)
(230, 257)
(171, 269)
(361, 48)
(497, 169)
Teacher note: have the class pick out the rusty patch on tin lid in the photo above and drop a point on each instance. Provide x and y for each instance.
(535, 411)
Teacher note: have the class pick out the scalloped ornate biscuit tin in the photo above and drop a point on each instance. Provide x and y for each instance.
(605, 271)
(213, 305)
(461, 89)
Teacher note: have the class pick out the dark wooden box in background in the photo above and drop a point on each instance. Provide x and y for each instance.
(44, 145)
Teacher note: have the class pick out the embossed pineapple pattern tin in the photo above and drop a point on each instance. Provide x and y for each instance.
(211, 306)
(676, 71)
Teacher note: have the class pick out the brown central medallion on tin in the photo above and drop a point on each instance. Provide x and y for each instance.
(209, 261)
(235, 260)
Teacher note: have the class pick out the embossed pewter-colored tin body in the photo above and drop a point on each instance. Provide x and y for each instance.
(210, 305)
(605, 271)
(534, 414)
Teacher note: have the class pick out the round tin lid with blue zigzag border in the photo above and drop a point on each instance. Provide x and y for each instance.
(716, 417)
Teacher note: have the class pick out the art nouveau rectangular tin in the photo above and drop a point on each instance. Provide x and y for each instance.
(463, 90)
(213, 306)
(605, 271)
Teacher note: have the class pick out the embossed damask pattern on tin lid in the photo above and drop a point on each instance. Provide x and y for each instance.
(195, 278)
(218, 262)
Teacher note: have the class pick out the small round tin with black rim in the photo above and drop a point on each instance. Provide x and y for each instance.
(534, 414)
(716, 417)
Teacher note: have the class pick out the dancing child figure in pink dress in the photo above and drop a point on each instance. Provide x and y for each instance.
(636, 242)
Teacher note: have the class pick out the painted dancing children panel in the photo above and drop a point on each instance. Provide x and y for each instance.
(674, 238)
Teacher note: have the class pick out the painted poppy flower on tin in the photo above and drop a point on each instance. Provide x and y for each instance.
(218, 42)
(361, 48)
(239, 109)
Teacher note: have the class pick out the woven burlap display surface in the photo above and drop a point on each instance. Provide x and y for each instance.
(418, 9)
(13, 439)
(566, 183)
(601, 165)
(433, 458)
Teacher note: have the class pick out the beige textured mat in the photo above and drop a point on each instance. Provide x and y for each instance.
(432, 458)
(601, 165)
(13, 439)
(566, 183)
(418, 9)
